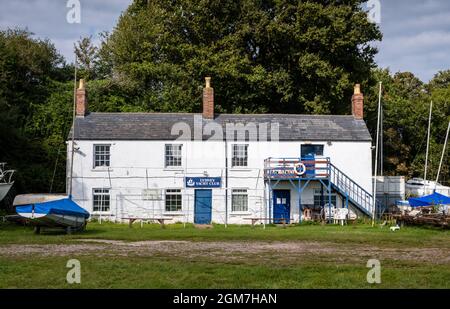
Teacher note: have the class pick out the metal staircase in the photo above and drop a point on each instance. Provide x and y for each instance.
(300, 171)
(356, 194)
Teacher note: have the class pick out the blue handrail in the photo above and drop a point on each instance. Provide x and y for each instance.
(341, 181)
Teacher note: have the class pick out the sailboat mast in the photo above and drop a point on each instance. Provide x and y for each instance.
(442, 157)
(428, 146)
(381, 140)
(374, 204)
(73, 127)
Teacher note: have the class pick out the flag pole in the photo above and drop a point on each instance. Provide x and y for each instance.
(374, 203)
(442, 157)
(428, 148)
(73, 128)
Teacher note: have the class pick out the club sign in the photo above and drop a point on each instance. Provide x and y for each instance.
(203, 182)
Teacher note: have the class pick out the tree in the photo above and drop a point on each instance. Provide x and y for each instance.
(87, 57)
(406, 103)
(28, 67)
(440, 80)
(263, 56)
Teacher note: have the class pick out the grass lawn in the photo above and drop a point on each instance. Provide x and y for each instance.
(305, 256)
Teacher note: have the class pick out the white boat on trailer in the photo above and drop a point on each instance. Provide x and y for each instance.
(420, 187)
(51, 211)
(6, 181)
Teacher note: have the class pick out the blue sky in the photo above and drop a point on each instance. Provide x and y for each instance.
(416, 32)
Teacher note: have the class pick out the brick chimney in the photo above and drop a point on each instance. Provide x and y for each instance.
(358, 103)
(208, 100)
(82, 102)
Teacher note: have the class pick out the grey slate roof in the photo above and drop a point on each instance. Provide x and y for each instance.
(158, 126)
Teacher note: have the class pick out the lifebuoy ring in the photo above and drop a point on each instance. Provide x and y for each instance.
(299, 169)
(307, 214)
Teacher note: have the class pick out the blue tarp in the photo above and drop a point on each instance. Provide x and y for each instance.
(62, 207)
(429, 200)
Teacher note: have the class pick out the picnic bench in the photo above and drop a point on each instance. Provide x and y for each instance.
(160, 220)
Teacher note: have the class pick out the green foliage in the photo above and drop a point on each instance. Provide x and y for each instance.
(281, 56)
(87, 57)
(406, 103)
(264, 56)
(28, 67)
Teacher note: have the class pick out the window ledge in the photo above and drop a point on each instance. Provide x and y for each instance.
(173, 213)
(241, 169)
(240, 213)
(174, 169)
(101, 169)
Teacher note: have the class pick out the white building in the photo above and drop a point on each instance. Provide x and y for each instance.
(207, 168)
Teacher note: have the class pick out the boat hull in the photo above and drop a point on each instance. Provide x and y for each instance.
(50, 211)
(4, 189)
(419, 187)
(54, 220)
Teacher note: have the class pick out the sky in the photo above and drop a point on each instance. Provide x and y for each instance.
(416, 33)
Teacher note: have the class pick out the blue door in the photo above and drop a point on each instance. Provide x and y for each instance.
(281, 206)
(202, 206)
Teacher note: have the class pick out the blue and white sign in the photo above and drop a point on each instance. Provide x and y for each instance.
(203, 182)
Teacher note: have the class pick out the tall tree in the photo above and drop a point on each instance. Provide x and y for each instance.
(406, 103)
(28, 67)
(264, 56)
(87, 56)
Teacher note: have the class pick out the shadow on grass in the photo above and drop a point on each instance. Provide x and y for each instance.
(50, 231)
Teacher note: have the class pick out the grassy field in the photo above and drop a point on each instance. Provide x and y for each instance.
(306, 256)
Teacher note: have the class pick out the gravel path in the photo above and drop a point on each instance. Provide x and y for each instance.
(236, 250)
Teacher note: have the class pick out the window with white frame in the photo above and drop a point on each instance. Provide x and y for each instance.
(239, 200)
(318, 195)
(173, 155)
(239, 155)
(102, 155)
(174, 200)
(101, 200)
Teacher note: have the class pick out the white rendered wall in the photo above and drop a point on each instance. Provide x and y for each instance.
(137, 165)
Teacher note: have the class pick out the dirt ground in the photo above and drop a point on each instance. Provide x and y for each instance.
(237, 250)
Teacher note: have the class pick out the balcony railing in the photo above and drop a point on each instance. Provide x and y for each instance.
(320, 168)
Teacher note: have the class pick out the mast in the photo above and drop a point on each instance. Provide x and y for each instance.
(374, 202)
(73, 127)
(442, 157)
(381, 141)
(428, 147)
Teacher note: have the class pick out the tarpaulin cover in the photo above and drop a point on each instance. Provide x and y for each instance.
(61, 207)
(429, 200)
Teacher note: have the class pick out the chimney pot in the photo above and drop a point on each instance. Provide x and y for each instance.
(81, 85)
(358, 103)
(81, 100)
(208, 100)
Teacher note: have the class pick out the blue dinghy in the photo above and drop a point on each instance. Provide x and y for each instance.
(51, 210)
